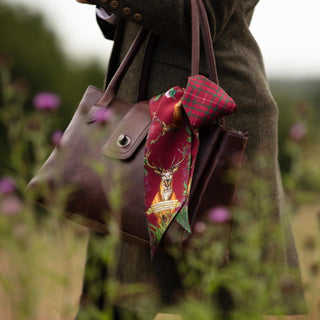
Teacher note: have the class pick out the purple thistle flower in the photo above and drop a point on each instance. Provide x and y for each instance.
(10, 205)
(7, 185)
(56, 137)
(200, 227)
(297, 131)
(219, 215)
(102, 115)
(47, 101)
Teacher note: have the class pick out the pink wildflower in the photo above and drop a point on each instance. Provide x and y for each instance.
(219, 215)
(10, 205)
(102, 115)
(47, 101)
(200, 227)
(297, 131)
(56, 137)
(7, 185)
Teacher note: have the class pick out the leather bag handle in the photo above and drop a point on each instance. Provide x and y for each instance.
(198, 10)
(198, 16)
(114, 84)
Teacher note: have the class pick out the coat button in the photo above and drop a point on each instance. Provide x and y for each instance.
(137, 17)
(114, 4)
(104, 1)
(126, 11)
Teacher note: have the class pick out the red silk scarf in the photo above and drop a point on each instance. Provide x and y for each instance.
(171, 150)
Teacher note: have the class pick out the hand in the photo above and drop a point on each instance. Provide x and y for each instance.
(84, 1)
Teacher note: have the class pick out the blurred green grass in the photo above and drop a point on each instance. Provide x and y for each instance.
(57, 274)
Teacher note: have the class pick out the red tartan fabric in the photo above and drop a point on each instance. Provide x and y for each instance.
(171, 150)
(204, 101)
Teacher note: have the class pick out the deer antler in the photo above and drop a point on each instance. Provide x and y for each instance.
(146, 159)
(176, 165)
(163, 131)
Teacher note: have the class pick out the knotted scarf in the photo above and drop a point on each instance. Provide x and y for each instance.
(171, 150)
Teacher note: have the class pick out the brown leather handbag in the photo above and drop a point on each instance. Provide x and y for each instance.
(100, 162)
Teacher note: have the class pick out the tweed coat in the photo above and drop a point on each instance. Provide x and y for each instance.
(241, 73)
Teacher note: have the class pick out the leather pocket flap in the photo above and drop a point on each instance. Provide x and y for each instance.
(130, 132)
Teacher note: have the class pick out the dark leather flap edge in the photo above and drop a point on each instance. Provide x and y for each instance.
(135, 125)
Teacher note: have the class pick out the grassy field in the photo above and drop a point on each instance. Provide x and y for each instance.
(306, 224)
(53, 280)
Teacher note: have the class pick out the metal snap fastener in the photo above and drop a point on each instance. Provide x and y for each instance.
(123, 141)
(114, 4)
(137, 17)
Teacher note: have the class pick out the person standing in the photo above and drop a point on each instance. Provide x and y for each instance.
(241, 73)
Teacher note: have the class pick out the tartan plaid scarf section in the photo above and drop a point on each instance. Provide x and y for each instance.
(204, 101)
(171, 150)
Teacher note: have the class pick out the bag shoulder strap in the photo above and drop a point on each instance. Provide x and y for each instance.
(115, 82)
(199, 16)
(207, 40)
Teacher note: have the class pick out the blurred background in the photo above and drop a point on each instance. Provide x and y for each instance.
(284, 29)
(56, 46)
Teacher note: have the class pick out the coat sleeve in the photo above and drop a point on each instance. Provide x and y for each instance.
(106, 22)
(170, 19)
(107, 29)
